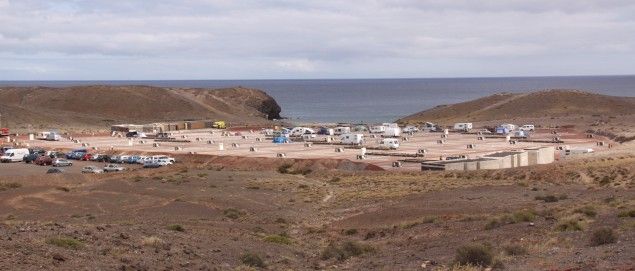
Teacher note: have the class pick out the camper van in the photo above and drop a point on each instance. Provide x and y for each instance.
(53, 137)
(389, 143)
(341, 130)
(14, 155)
(392, 132)
(378, 129)
(410, 129)
(299, 131)
(355, 139)
(528, 128)
(463, 126)
(508, 126)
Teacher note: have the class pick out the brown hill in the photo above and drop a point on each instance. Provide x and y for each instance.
(533, 105)
(100, 106)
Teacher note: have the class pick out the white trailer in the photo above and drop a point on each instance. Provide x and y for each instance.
(389, 143)
(299, 131)
(377, 129)
(354, 139)
(463, 126)
(341, 130)
(392, 132)
(53, 137)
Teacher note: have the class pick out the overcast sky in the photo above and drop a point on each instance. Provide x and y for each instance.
(258, 39)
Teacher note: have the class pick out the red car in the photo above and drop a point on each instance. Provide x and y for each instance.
(86, 157)
(43, 161)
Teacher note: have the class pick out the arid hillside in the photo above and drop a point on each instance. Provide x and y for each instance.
(100, 106)
(541, 104)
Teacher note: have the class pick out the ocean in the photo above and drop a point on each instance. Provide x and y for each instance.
(380, 100)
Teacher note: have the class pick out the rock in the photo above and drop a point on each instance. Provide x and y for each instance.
(58, 257)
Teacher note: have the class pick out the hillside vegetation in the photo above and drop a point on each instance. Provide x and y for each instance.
(100, 106)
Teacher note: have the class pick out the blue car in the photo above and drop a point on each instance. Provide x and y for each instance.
(281, 139)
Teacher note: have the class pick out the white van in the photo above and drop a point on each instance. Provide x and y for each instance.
(53, 137)
(528, 127)
(355, 139)
(389, 143)
(342, 130)
(14, 155)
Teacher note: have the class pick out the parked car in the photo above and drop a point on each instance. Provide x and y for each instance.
(410, 129)
(152, 164)
(113, 168)
(60, 162)
(101, 158)
(31, 157)
(133, 159)
(163, 157)
(54, 171)
(86, 157)
(92, 169)
(43, 161)
(123, 159)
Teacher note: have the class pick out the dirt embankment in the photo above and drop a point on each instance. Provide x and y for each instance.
(100, 106)
(600, 114)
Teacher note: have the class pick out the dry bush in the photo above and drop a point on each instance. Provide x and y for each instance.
(603, 236)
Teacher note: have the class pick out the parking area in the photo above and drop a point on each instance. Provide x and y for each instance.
(256, 144)
(24, 169)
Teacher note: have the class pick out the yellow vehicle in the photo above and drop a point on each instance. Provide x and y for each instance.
(219, 124)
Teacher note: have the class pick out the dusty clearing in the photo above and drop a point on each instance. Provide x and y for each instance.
(198, 217)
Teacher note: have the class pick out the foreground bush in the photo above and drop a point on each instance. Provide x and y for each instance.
(603, 236)
(64, 242)
(253, 260)
(345, 250)
(477, 255)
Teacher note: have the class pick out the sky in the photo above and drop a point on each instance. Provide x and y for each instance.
(284, 39)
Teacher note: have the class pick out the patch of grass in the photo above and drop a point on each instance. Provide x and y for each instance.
(251, 259)
(202, 175)
(7, 186)
(282, 239)
(603, 236)
(281, 220)
(344, 251)
(548, 198)
(628, 213)
(570, 224)
(350, 232)
(65, 242)
(588, 211)
(303, 186)
(335, 180)
(233, 213)
(285, 169)
(516, 217)
(475, 255)
(153, 241)
(176, 227)
(253, 187)
(515, 250)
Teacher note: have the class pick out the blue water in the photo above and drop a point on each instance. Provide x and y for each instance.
(381, 100)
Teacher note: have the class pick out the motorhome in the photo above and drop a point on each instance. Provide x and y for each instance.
(14, 155)
(341, 130)
(389, 143)
(377, 129)
(299, 131)
(392, 131)
(463, 126)
(355, 139)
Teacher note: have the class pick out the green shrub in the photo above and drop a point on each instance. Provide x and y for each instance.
(176, 227)
(350, 232)
(569, 225)
(515, 250)
(64, 242)
(285, 169)
(282, 239)
(589, 211)
(548, 198)
(477, 255)
(233, 213)
(603, 236)
(346, 250)
(7, 186)
(253, 260)
(629, 213)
